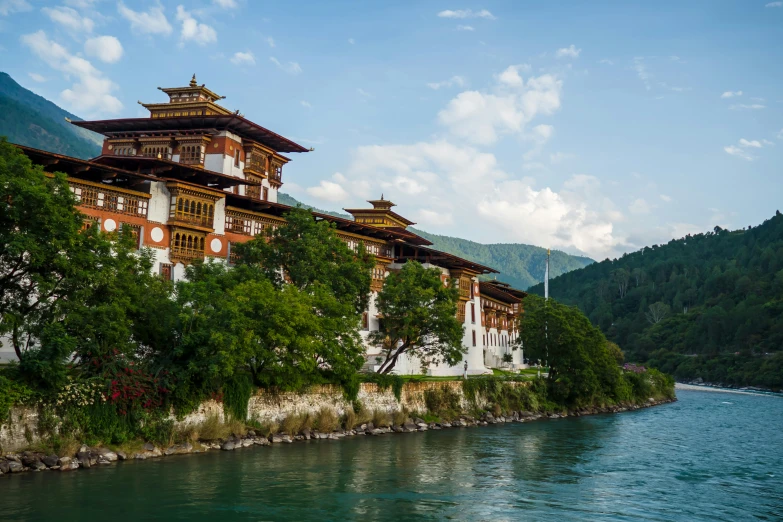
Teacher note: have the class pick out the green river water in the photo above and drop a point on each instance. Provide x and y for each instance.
(711, 456)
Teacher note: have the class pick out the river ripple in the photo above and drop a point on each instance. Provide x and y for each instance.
(709, 457)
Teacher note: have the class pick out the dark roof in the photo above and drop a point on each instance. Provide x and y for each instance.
(501, 291)
(347, 225)
(444, 259)
(86, 170)
(209, 124)
(381, 211)
(171, 169)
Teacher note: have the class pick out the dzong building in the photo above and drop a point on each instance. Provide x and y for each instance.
(194, 178)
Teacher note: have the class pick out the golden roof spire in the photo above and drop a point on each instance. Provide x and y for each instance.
(193, 82)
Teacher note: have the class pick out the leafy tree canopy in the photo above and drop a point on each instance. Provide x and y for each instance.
(418, 317)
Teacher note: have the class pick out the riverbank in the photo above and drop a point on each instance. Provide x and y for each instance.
(723, 389)
(87, 457)
(35, 440)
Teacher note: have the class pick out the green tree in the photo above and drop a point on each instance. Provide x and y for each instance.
(43, 255)
(581, 365)
(308, 255)
(418, 318)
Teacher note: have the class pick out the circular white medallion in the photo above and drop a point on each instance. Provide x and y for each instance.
(110, 225)
(156, 234)
(111, 146)
(216, 245)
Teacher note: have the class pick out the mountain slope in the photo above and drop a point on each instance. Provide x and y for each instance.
(707, 306)
(519, 265)
(29, 119)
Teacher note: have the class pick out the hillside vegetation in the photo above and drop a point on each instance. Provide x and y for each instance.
(706, 306)
(520, 265)
(34, 121)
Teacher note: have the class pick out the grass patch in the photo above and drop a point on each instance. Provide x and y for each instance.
(381, 419)
(443, 402)
(294, 424)
(326, 421)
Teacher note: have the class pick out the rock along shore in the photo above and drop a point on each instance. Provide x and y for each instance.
(87, 457)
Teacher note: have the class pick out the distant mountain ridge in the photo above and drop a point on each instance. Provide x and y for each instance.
(29, 119)
(520, 265)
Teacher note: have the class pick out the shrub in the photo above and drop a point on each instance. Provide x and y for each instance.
(236, 395)
(293, 424)
(350, 419)
(399, 417)
(381, 419)
(443, 402)
(213, 428)
(11, 394)
(326, 421)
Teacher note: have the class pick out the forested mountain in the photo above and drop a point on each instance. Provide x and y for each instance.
(29, 119)
(705, 306)
(520, 265)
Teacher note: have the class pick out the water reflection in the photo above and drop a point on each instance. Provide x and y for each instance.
(688, 461)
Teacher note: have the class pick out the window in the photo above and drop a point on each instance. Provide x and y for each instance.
(365, 321)
(473, 313)
(474, 337)
(192, 211)
(166, 271)
(236, 158)
(266, 194)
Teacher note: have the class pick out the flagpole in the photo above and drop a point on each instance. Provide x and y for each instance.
(546, 316)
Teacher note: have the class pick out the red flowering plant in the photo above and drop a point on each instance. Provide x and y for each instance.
(130, 386)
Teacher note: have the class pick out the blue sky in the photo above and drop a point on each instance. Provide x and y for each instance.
(595, 127)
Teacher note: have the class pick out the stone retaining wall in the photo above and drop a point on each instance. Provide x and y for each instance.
(264, 406)
(267, 407)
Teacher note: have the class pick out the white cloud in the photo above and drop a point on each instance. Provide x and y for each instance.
(780, 134)
(351, 41)
(364, 93)
(8, 7)
(754, 106)
(641, 71)
(731, 94)
(606, 61)
(666, 198)
(774, 4)
(639, 206)
(465, 28)
(106, 48)
(466, 13)
(69, 18)
(328, 191)
(242, 58)
(226, 4)
(481, 117)
(559, 157)
(568, 52)
(739, 152)
(150, 22)
(270, 41)
(193, 30)
(81, 4)
(37, 77)
(290, 67)
(431, 217)
(459, 81)
(91, 93)
(750, 143)
(305, 104)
